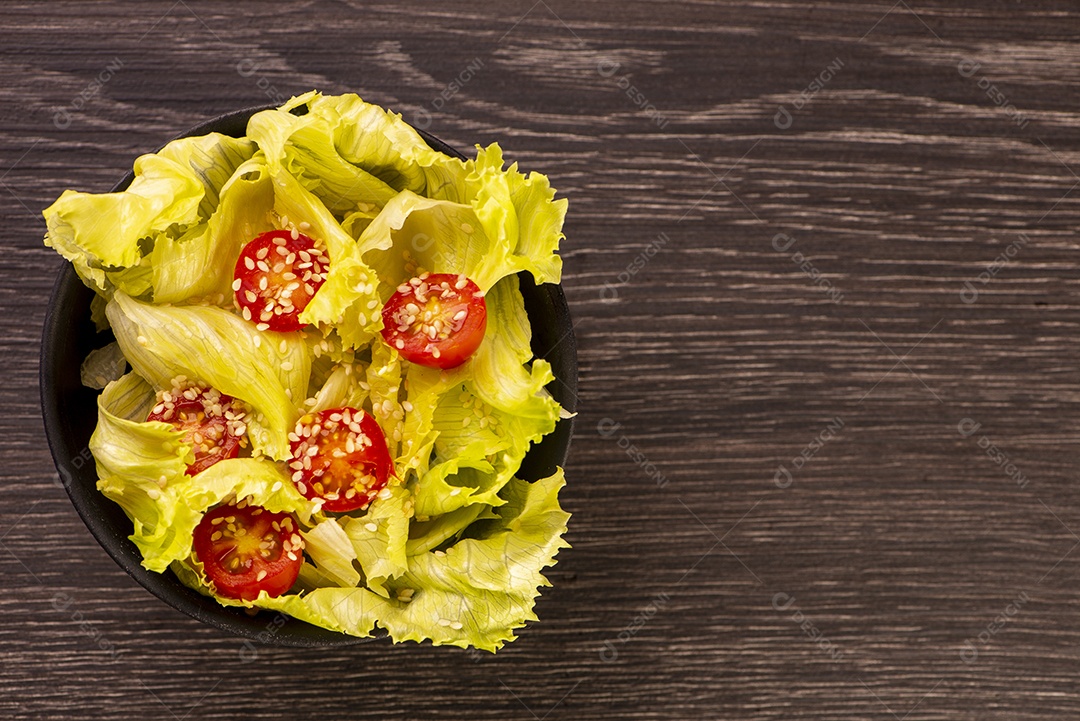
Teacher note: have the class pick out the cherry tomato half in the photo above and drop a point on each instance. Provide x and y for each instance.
(339, 455)
(213, 423)
(436, 320)
(245, 549)
(275, 277)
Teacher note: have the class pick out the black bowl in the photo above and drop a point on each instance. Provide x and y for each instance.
(70, 412)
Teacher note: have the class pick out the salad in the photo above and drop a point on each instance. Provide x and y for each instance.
(322, 389)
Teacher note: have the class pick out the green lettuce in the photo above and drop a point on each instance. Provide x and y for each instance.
(453, 548)
(267, 370)
(108, 237)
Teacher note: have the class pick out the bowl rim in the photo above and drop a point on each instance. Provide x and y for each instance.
(88, 501)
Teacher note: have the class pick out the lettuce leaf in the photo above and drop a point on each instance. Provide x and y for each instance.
(106, 234)
(139, 465)
(379, 536)
(200, 263)
(267, 370)
(480, 589)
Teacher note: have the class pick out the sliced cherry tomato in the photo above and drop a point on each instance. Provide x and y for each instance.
(275, 277)
(245, 549)
(213, 423)
(340, 455)
(436, 319)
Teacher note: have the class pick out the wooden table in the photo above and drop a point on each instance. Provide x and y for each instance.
(822, 261)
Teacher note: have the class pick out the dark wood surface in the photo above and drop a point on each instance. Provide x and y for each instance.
(905, 570)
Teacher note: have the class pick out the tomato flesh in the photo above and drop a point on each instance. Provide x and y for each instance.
(275, 278)
(213, 423)
(245, 549)
(436, 319)
(339, 455)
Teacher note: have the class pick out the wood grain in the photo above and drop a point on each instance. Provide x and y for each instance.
(701, 584)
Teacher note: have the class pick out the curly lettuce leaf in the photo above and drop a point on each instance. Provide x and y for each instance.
(347, 300)
(138, 466)
(332, 553)
(267, 370)
(106, 236)
(102, 366)
(480, 589)
(200, 263)
(379, 536)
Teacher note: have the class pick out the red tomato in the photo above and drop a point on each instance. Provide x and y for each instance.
(340, 455)
(436, 320)
(245, 549)
(275, 277)
(212, 423)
